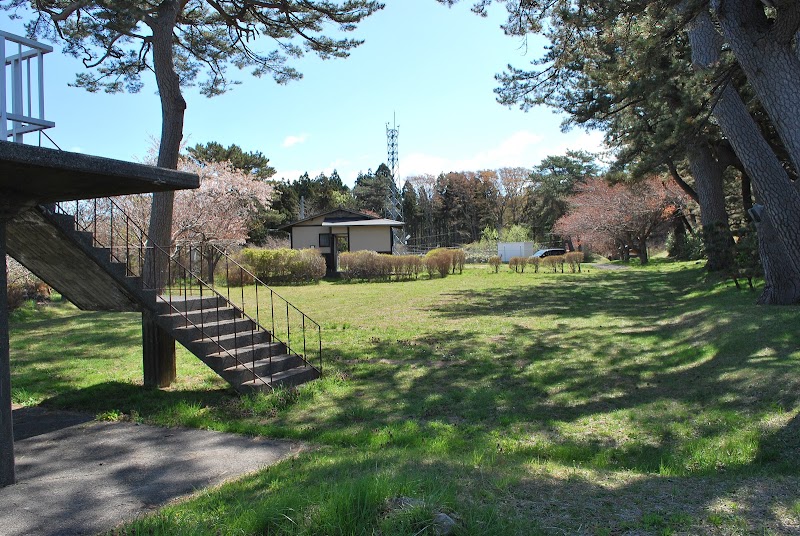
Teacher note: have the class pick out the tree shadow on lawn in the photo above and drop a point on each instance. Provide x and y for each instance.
(689, 376)
(349, 491)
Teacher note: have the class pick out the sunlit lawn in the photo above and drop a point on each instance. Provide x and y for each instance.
(606, 402)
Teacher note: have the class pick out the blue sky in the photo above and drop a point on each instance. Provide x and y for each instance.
(431, 66)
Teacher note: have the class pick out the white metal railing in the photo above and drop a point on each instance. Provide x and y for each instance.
(23, 79)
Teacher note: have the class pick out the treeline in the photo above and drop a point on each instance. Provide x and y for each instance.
(452, 208)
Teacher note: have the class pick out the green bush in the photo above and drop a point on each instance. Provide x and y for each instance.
(685, 247)
(285, 265)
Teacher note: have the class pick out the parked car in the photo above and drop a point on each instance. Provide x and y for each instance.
(549, 252)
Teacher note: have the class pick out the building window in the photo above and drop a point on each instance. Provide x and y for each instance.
(324, 240)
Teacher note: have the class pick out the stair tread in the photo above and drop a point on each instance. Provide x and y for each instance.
(223, 322)
(243, 349)
(281, 375)
(265, 361)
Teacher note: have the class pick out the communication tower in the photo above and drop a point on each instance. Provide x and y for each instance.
(395, 206)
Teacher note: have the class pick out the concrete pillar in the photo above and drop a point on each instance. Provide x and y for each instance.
(7, 475)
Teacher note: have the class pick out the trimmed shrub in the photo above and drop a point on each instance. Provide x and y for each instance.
(554, 262)
(495, 261)
(439, 260)
(372, 265)
(535, 262)
(518, 264)
(285, 265)
(574, 259)
(459, 259)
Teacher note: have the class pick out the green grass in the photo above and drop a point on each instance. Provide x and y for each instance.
(519, 403)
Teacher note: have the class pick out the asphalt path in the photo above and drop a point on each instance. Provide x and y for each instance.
(79, 476)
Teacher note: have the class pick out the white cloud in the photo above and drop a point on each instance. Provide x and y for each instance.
(289, 141)
(521, 149)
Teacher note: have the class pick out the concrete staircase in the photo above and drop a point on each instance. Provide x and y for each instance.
(218, 332)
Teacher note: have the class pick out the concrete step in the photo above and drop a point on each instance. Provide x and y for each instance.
(220, 360)
(287, 378)
(241, 373)
(213, 328)
(202, 317)
(233, 340)
(170, 304)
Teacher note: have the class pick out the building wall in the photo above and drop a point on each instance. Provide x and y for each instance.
(371, 238)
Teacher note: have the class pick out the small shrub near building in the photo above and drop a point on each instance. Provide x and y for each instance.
(285, 265)
(495, 261)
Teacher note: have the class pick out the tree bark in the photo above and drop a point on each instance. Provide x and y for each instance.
(159, 346)
(709, 179)
(769, 178)
(781, 279)
(771, 65)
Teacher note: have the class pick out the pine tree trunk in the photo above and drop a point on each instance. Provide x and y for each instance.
(781, 280)
(771, 65)
(769, 178)
(708, 176)
(158, 345)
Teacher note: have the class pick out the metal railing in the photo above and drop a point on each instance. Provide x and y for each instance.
(207, 276)
(25, 82)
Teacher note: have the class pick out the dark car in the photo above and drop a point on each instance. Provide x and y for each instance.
(548, 252)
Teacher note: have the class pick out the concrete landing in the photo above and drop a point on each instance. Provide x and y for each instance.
(77, 476)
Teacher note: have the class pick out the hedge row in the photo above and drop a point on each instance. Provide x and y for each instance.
(284, 265)
(372, 265)
(572, 259)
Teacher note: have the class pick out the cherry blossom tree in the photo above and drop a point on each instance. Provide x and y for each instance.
(620, 216)
(217, 213)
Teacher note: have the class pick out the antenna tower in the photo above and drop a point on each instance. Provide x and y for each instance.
(394, 204)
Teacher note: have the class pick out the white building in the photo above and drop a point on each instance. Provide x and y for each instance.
(341, 230)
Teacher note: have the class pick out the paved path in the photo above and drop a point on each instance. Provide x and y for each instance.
(77, 476)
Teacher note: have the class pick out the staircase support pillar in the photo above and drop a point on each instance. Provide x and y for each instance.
(7, 474)
(158, 353)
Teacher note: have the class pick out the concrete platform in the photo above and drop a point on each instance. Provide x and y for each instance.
(78, 476)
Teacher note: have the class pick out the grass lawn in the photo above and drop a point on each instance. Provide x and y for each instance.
(643, 401)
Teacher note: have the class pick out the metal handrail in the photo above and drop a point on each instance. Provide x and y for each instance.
(100, 221)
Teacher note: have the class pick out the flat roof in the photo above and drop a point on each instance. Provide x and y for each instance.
(32, 175)
(377, 222)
